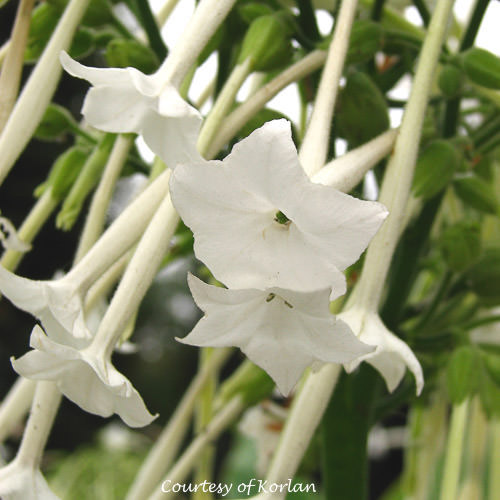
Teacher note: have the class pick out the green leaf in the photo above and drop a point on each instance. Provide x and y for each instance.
(477, 193)
(462, 373)
(435, 168)
(484, 276)
(460, 245)
(482, 67)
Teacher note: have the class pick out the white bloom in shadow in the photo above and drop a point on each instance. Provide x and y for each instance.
(259, 221)
(58, 304)
(85, 377)
(126, 100)
(391, 357)
(282, 331)
(23, 482)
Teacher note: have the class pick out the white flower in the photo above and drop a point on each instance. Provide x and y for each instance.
(233, 208)
(85, 377)
(126, 100)
(23, 482)
(57, 304)
(9, 238)
(391, 357)
(282, 331)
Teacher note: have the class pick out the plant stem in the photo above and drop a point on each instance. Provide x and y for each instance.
(234, 121)
(163, 452)
(314, 148)
(454, 448)
(165, 11)
(10, 77)
(39, 89)
(494, 465)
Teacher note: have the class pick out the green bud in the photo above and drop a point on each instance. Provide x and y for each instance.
(56, 122)
(83, 43)
(258, 119)
(121, 53)
(462, 373)
(365, 41)
(250, 382)
(249, 12)
(482, 67)
(267, 43)
(435, 168)
(362, 112)
(484, 277)
(63, 173)
(98, 13)
(477, 193)
(460, 245)
(450, 80)
(43, 21)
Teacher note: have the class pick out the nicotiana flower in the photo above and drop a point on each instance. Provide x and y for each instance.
(259, 222)
(391, 356)
(9, 238)
(19, 481)
(282, 331)
(126, 100)
(84, 376)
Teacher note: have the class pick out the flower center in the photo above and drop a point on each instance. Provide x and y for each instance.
(281, 218)
(272, 296)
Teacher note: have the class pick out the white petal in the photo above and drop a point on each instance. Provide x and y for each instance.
(9, 238)
(89, 381)
(281, 331)
(18, 482)
(392, 355)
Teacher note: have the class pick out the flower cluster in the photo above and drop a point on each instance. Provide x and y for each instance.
(279, 243)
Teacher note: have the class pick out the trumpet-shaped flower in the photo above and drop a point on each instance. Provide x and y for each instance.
(85, 377)
(391, 357)
(282, 331)
(259, 222)
(126, 100)
(23, 482)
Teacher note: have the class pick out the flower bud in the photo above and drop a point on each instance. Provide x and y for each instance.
(462, 373)
(365, 41)
(450, 80)
(482, 67)
(122, 53)
(477, 193)
(55, 123)
(435, 168)
(460, 245)
(249, 12)
(267, 43)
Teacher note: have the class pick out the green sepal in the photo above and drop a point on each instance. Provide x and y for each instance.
(267, 43)
(63, 173)
(434, 169)
(462, 373)
(450, 80)
(250, 382)
(362, 112)
(121, 53)
(477, 193)
(482, 67)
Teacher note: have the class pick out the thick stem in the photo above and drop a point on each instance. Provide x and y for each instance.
(234, 121)
(165, 449)
(43, 411)
(314, 148)
(222, 105)
(39, 89)
(186, 462)
(10, 77)
(399, 173)
(165, 11)
(102, 196)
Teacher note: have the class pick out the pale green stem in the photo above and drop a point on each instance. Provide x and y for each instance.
(314, 148)
(137, 278)
(15, 406)
(399, 173)
(97, 212)
(454, 449)
(207, 17)
(10, 77)
(234, 121)
(205, 95)
(180, 471)
(43, 411)
(222, 105)
(346, 172)
(165, 11)
(165, 449)
(39, 89)
(31, 226)
(3, 52)
(494, 464)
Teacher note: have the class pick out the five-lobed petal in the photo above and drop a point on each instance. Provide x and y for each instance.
(232, 206)
(391, 356)
(88, 379)
(282, 331)
(126, 100)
